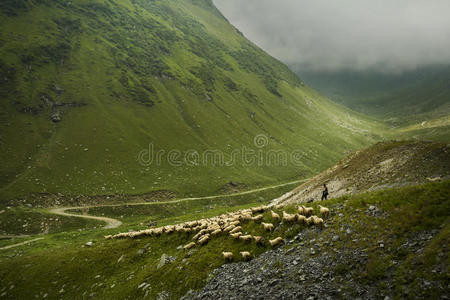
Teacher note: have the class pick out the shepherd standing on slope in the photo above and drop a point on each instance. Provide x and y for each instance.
(325, 192)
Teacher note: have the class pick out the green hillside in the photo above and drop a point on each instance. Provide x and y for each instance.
(85, 86)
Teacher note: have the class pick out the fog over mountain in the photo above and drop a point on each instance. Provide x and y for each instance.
(385, 35)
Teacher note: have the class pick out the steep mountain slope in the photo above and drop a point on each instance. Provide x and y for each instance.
(87, 86)
(381, 166)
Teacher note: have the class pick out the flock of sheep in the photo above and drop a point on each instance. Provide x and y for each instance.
(230, 224)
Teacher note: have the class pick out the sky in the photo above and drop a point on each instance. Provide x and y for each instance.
(331, 35)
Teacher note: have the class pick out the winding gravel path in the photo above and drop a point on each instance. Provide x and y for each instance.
(110, 222)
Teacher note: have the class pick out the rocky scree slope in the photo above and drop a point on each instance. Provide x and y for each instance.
(384, 165)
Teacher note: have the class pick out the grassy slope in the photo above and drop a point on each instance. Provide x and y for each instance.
(123, 74)
(71, 271)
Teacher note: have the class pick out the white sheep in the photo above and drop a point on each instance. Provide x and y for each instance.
(229, 228)
(149, 231)
(193, 223)
(199, 234)
(236, 235)
(317, 221)
(276, 241)
(324, 211)
(235, 223)
(203, 239)
(275, 216)
(288, 217)
(228, 256)
(169, 229)
(267, 226)
(189, 246)
(236, 229)
(257, 218)
(257, 209)
(245, 255)
(245, 217)
(259, 240)
(216, 232)
(309, 221)
(245, 238)
(300, 210)
(301, 219)
(307, 210)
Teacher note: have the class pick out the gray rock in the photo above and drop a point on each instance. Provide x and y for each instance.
(162, 296)
(142, 285)
(89, 244)
(162, 261)
(335, 238)
(165, 259)
(55, 116)
(120, 258)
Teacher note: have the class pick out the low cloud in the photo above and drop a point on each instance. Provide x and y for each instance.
(323, 35)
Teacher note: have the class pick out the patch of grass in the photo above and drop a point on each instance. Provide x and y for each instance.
(341, 269)
(431, 265)
(375, 269)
